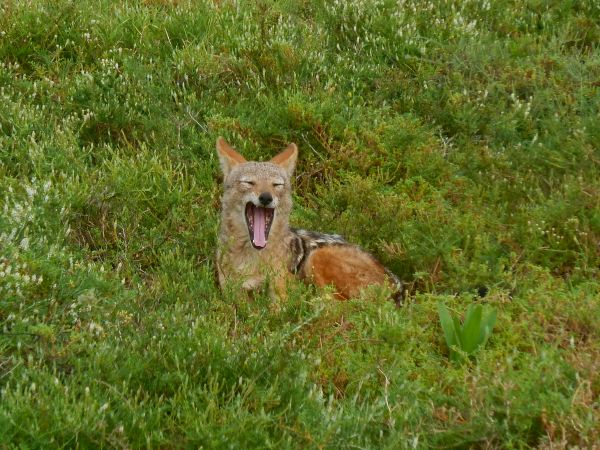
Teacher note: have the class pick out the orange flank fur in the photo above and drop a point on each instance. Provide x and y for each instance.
(346, 267)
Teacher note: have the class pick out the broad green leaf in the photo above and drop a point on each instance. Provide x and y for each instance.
(487, 324)
(470, 310)
(447, 325)
(458, 332)
(471, 328)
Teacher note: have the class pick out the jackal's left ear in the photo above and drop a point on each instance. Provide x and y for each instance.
(228, 157)
(287, 159)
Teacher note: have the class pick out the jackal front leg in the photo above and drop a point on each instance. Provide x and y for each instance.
(278, 287)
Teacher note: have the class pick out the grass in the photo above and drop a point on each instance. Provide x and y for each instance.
(457, 141)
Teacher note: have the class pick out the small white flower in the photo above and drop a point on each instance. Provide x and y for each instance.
(96, 328)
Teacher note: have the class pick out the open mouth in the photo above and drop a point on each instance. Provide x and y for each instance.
(259, 222)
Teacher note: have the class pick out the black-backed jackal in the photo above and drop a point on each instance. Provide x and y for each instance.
(256, 241)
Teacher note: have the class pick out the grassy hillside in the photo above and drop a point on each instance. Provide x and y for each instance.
(456, 140)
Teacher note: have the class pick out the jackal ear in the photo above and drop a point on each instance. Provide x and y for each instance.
(287, 159)
(228, 157)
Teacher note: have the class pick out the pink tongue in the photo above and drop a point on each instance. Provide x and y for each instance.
(259, 227)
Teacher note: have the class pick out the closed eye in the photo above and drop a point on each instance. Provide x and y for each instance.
(247, 183)
(277, 184)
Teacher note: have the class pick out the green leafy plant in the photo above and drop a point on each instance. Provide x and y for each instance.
(464, 340)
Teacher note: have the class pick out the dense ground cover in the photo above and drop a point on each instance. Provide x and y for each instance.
(456, 140)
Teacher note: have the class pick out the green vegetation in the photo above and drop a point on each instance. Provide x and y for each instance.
(465, 340)
(456, 140)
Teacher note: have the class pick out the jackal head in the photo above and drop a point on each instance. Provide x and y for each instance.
(256, 195)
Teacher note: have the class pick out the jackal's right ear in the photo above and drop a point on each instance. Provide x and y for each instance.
(287, 159)
(228, 157)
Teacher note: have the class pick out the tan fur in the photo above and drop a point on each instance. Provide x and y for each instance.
(345, 266)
